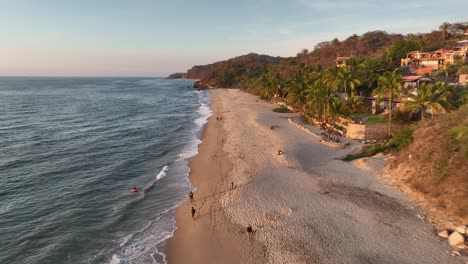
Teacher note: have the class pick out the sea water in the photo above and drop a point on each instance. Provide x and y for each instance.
(70, 151)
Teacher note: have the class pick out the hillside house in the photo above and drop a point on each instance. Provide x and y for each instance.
(426, 62)
(463, 78)
(417, 59)
(341, 61)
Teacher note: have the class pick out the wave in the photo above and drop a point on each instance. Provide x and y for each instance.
(205, 113)
(158, 177)
(139, 196)
(142, 245)
(145, 244)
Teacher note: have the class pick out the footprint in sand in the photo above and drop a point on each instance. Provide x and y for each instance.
(277, 216)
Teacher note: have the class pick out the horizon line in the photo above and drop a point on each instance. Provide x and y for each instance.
(77, 76)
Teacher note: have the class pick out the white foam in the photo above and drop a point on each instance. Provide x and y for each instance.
(162, 173)
(115, 259)
(144, 244)
(204, 110)
(158, 177)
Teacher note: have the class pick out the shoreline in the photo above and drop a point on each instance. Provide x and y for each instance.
(203, 240)
(305, 206)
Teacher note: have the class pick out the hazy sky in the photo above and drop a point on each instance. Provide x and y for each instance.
(154, 37)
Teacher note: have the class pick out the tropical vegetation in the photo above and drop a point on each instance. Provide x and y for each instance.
(324, 92)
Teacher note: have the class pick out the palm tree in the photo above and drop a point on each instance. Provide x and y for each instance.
(298, 86)
(346, 77)
(355, 103)
(279, 84)
(388, 86)
(322, 97)
(338, 108)
(428, 97)
(444, 27)
(267, 90)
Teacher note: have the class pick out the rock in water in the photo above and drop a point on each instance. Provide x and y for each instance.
(443, 234)
(456, 239)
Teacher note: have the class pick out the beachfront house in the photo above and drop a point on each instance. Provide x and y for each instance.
(382, 105)
(410, 83)
(413, 81)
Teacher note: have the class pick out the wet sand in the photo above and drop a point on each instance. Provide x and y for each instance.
(305, 206)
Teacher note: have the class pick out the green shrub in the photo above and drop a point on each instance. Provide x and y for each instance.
(459, 136)
(400, 139)
(282, 110)
(402, 116)
(376, 120)
(369, 152)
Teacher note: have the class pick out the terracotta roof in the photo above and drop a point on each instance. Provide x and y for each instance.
(411, 78)
(342, 58)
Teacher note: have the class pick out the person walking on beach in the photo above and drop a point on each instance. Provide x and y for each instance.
(232, 185)
(249, 232)
(191, 197)
(193, 213)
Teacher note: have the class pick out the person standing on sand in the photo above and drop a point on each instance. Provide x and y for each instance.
(232, 185)
(193, 213)
(249, 232)
(191, 197)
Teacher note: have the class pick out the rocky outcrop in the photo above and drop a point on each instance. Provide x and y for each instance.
(456, 239)
(462, 230)
(177, 75)
(443, 234)
(199, 85)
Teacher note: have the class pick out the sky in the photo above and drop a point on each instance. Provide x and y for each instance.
(159, 37)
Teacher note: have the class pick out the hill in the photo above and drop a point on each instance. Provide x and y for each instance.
(432, 170)
(230, 73)
(384, 50)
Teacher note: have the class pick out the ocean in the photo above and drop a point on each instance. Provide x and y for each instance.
(70, 151)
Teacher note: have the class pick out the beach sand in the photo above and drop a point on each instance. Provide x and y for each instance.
(305, 206)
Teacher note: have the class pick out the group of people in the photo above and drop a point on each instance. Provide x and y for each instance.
(192, 201)
(249, 229)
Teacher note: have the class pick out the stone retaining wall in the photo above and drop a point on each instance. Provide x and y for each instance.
(332, 144)
(356, 131)
(370, 131)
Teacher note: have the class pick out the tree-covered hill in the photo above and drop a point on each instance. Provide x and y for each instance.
(379, 50)
(232, 72)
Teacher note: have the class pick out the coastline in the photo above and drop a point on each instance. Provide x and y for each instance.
(305, 206)
(211, 236)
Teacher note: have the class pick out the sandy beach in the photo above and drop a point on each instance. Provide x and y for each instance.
(305, 206)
